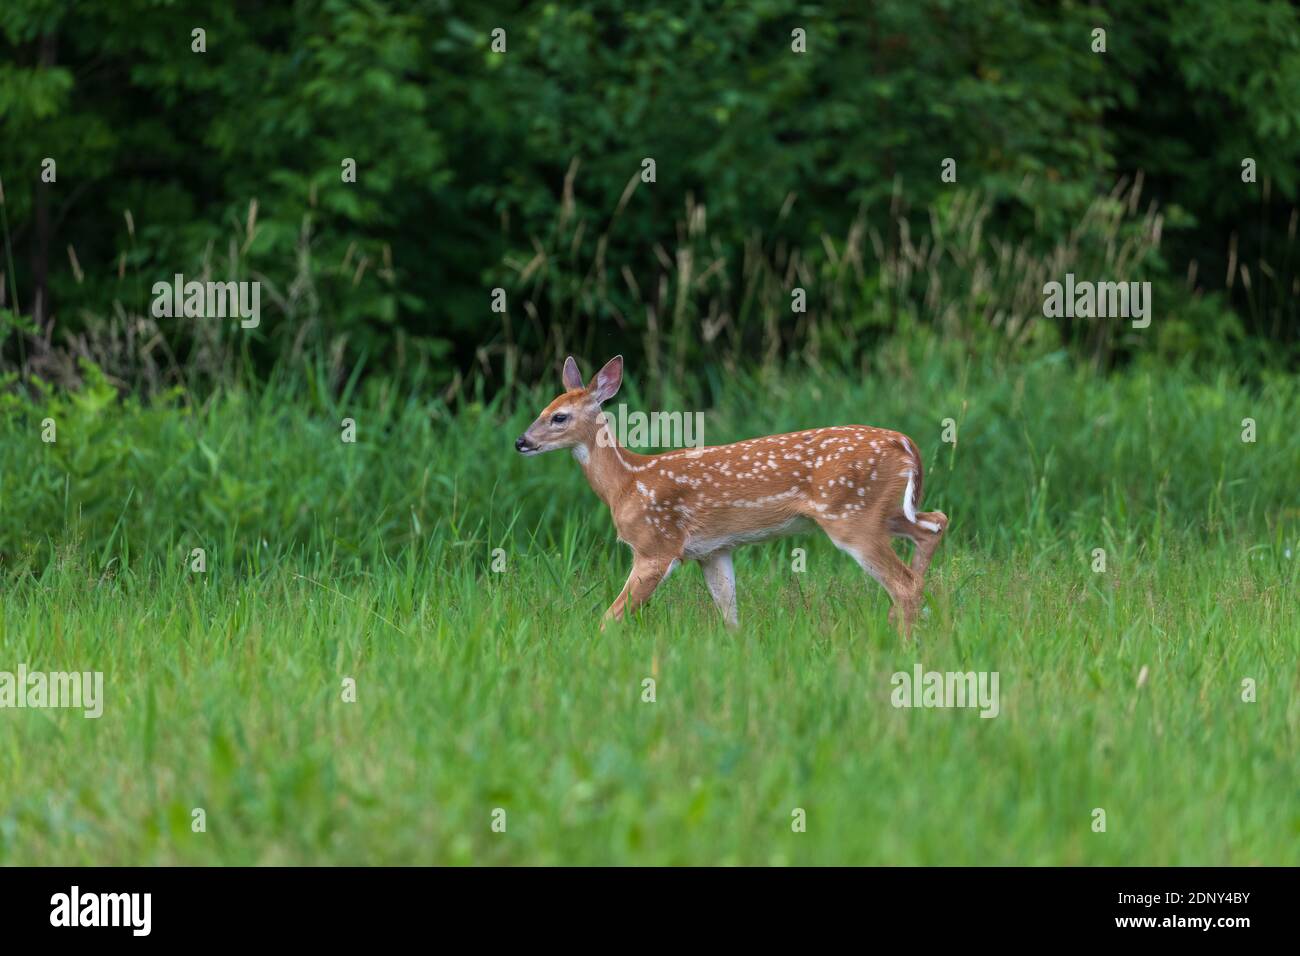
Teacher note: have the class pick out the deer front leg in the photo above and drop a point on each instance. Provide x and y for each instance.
(647, 574)
(720, 576)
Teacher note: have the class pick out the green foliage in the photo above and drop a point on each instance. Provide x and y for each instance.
(1043, 450)
(229, 162)
(477, 168)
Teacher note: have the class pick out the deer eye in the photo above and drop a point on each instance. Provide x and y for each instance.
(559, 418)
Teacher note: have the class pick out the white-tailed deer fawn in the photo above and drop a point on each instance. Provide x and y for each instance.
(861, 485)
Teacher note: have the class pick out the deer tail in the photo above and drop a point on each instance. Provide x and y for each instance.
(915, 478)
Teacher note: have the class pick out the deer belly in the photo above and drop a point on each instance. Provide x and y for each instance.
(701, 545)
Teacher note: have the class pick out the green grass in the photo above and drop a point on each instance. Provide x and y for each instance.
(479, 690)
(476, 692)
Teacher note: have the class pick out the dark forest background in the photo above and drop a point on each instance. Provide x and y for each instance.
(521, 170)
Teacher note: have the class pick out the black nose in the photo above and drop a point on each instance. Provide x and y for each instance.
(521, 444)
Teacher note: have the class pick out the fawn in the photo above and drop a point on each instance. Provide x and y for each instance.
(861, 485)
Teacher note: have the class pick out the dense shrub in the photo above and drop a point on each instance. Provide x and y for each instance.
(1044, 453)
(519, 169)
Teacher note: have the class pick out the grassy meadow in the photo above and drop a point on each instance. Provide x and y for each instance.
(479, 689)
(281, 284)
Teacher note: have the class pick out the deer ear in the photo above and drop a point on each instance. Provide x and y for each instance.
(572, 377)
(605, 385)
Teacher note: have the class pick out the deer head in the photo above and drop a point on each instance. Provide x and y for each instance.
(574, 417)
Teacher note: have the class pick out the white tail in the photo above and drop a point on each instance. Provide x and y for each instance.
(861, 485)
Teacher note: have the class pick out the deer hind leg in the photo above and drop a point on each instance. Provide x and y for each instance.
(647, 574)
(867, 542)
(925, 533)
(720, 576)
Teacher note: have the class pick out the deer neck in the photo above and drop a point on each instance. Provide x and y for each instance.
(608, 466)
